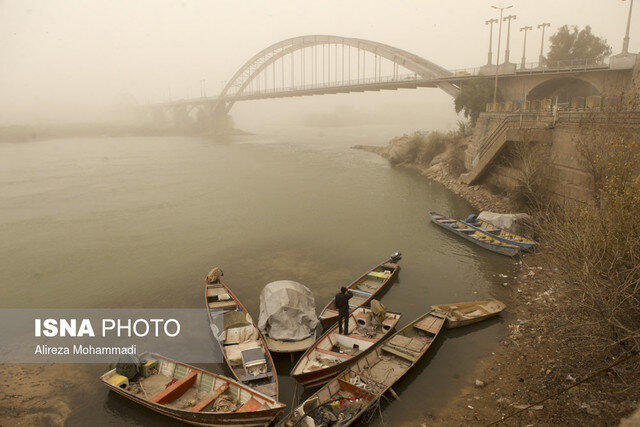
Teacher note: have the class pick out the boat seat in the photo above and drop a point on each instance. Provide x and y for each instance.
(175, 390)
(209, 398)
(223, 305)
(251, 405)
(361, 337)
(333, 353)
(430, 324)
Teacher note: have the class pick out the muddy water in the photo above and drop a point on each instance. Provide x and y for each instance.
(137, 222)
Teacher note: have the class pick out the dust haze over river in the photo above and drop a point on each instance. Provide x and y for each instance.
(138, 222)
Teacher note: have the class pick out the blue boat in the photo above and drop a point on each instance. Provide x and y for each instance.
(501, 234)
(475, 235)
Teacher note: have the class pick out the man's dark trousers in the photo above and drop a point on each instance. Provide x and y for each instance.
(343, 316)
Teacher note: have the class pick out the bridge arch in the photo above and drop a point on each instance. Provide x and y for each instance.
(268, 56)
(564, 88)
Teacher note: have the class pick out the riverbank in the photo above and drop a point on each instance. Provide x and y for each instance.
(535, 360)
(28, 133)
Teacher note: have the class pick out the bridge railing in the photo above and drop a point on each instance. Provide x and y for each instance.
(535, 67)
(566, 65)
(399, 78)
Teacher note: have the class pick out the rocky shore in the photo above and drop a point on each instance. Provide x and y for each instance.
(535, 360)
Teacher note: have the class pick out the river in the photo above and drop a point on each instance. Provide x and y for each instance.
(138, 222)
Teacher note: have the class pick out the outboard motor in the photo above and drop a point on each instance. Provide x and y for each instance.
(396, 257)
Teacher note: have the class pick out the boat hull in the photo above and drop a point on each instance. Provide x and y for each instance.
(319, 377)
(328, 316)
(260, 417)
(263, 343)
(504, 249)
(491, 308)
(263, 418)
(366, 366)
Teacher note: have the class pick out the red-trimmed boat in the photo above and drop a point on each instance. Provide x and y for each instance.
(333, 352)
(357, 389)
(192, 395)
(364, 289)
(243, 346)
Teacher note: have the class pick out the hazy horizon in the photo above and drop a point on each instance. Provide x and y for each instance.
(73, 60)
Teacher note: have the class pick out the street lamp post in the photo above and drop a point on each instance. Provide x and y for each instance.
(506, 52)
(625, 43)
(490, 22)
(495, 86)
(524, 46)
(543, 25)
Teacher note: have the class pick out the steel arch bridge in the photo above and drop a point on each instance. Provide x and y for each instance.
(316, 65)
(278, 53)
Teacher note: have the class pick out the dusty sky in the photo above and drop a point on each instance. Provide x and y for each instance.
(66, 58)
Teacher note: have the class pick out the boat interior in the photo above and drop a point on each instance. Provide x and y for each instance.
(178, 386)
(381, 368)
(471, 310)
(240, 339)
(364, 288)
(490, 228)
(355, 401)
(334, 348)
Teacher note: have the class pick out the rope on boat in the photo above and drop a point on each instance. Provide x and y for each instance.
(594, 374)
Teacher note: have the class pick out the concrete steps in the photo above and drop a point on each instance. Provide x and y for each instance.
(511, 128)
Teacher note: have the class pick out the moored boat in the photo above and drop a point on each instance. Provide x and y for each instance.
(333, 352)
(475, 235)
(466, 313)
(288, 317)
(349, 395)
(501, 234)
(243, 346)
(192, 395)
(364, 289)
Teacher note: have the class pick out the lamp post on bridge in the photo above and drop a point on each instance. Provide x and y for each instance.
(490, 22)
(625, 43)
(506, 52)
(541, 57)
(495, 86)
(524, 47)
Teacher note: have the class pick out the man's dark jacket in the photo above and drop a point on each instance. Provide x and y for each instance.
(342, 302)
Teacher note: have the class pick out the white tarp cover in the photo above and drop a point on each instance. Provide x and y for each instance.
(287, 311)
(509, 222)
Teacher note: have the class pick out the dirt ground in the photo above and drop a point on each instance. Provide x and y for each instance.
(35, 394)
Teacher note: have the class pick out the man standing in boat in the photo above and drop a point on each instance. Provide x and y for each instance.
(342, 305)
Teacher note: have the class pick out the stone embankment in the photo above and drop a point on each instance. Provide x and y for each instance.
(417, 152)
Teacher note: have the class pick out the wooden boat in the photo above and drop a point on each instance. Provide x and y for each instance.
(503, 235)
(466, 313)
(282, 346)
(362, 384)
(475, 235)
(333, 351)
(295, 304)
(192, 395)
(364, 289)
(243, 346)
